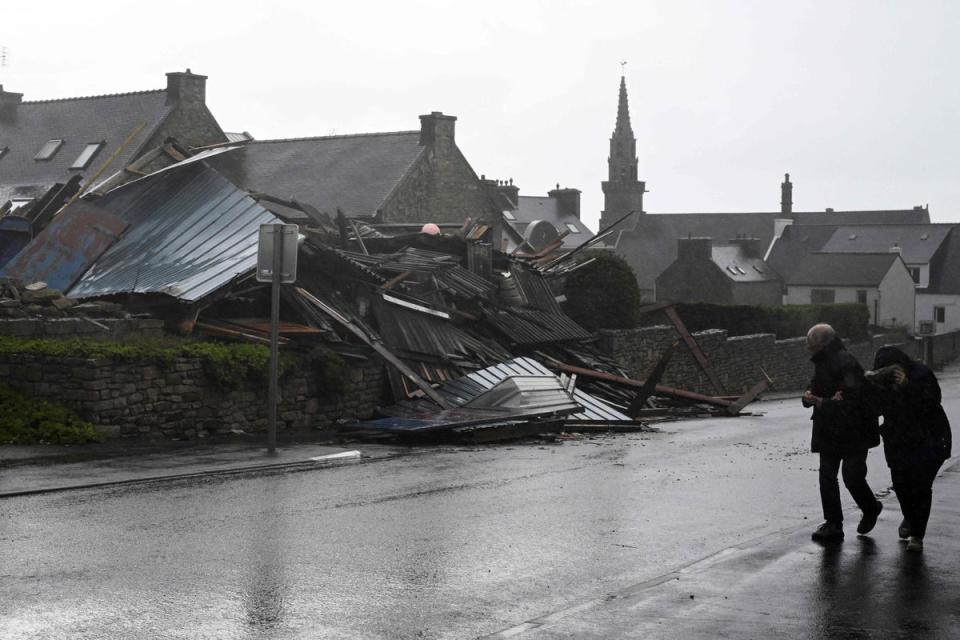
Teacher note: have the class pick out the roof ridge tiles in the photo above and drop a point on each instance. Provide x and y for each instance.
(102, 95)
(334, 137)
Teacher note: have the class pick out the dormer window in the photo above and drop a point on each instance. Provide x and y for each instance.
(48, 150)
(86, 155)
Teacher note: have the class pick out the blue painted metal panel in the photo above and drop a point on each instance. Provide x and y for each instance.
(67, 247)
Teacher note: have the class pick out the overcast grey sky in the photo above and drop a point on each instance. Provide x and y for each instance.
(859, 101)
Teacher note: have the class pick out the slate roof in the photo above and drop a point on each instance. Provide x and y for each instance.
(355, 173)
(651, 246)
(918, 243)
(945, 277)
(842, 269)
(531, 208)
(793, 245)
(737, 266)
(77, 121)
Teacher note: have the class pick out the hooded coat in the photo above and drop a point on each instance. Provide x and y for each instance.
(847, 426)
(915, 427)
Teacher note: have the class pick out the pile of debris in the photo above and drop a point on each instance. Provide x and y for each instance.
(474, 340)
(37, 300)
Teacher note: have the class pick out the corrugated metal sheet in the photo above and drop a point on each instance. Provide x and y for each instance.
(68, 246)
(462, 391)
(531, 327)
(15, 234)
(191, 232)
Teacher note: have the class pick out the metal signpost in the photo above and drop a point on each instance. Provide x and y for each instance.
(277, 264)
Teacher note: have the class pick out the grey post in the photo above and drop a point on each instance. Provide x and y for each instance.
(274, 338)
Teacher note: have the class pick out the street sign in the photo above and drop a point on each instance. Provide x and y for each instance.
(288, 254)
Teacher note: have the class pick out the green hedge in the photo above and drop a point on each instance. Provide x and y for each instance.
(26, 420)
(786, 321)
(228, 364)
(602, 294)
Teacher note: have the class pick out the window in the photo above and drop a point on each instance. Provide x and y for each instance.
(740, 270)
(3, 151)
(509, 216)
(822, 296)
(940, 314)
(573, 228)
(16, 203)
(48, 150)
(915, 274)
(732, 270)
(757, 268)
(86, 155)
(862, 296)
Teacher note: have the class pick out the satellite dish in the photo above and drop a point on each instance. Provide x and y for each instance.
(540, 234)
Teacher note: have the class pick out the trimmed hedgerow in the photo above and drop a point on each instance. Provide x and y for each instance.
(786, 321)
(26, 420)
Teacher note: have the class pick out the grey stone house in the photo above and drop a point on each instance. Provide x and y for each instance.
(45, 143)
(396, 180)
(730, 273)
(533, 222)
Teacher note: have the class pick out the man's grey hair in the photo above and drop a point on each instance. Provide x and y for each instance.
(820, 335)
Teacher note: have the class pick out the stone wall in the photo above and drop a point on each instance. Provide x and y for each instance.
(177, 399)
(106, 328)
(737, 361)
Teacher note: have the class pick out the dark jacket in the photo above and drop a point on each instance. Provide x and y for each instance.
(841, 427)
(915, 427)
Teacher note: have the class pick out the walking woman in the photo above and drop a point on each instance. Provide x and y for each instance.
(916, 435)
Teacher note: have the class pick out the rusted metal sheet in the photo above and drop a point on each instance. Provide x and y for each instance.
(63, 251)
(15, 234)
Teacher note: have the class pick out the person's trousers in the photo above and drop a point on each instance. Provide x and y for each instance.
(913, 484)
(854, 470)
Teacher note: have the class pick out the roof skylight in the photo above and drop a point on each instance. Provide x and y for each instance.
(573, 228)
(86, 155)
(48, 150)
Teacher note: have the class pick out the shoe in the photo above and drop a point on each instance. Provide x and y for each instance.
(904, 529)
(914, 543)
(828, 532)
(869, 520)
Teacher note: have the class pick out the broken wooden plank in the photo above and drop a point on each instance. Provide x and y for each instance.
(224, 332)
(397, 279)
(750, 395)
(650, 384)
(638, 384)
(376, 345)
(695, 349)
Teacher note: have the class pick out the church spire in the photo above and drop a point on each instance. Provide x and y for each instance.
(622, 191)
(623, 112)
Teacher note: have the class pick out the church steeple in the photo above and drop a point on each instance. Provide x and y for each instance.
(622, 191)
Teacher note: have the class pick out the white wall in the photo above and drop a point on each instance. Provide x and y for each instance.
(951, 303)
(801, 295)
(897, 297)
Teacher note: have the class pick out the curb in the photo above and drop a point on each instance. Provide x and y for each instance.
(325, 461)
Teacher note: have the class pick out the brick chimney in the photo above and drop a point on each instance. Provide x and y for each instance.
(437, 130)
(568, 200)
(786, 195)
(694, 249)
(186, 87)
(8, 104)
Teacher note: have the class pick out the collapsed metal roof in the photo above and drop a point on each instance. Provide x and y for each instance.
(191, 232)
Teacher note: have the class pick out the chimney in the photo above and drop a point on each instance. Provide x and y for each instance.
(695, 249)
(786, 195)
(502, 189)
(437, 130)
(750, 246)
(8, 104)
(186, 87)
(568, 201)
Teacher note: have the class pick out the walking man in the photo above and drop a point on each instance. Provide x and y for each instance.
(844, 429)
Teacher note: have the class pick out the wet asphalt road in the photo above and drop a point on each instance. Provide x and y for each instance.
(441, 543)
